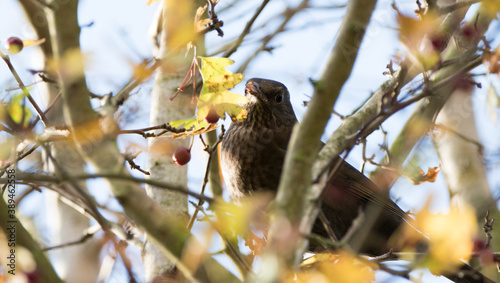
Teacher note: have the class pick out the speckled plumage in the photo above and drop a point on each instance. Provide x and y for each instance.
(252, 158)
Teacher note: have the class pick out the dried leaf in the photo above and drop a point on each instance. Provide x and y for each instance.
(200, 24)
(417, 176)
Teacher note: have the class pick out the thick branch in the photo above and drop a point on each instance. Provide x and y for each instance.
(305, 141)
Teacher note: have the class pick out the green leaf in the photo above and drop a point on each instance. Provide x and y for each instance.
(188, 123)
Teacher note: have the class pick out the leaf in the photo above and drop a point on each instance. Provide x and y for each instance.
(490, 8)
(196, 131)
(492, 102)
(413, 32)
(33, 42)
(417, 176)
(188, 123)
(216, 82)
(70, 65)
(340, 266)
(16, 110)
(200, 24)
(449, 237)
(149, 2)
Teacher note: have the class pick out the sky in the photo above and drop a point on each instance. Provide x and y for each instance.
(118, 38)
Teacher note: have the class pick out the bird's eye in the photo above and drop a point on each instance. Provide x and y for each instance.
(279, 98)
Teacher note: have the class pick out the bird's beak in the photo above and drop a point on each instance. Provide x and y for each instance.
(252, 90)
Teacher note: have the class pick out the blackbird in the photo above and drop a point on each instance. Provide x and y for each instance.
(252, 158)
(252, 155)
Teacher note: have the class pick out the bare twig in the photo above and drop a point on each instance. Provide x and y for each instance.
(211, 153)
(130, 159)
(246, 30)
(39, 111)
(59, 179)
(89, 233)
(488, 228)
(51, 105)
(143, 131)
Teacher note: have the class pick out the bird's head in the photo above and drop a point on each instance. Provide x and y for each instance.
(269, 102)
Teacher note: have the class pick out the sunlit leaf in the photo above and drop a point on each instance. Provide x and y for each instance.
(490, 7)
(179, 23)
(420, 39)
(417, 176)
(449, 237)
(235, 219)
(17, 111)
(216, 82)
(187, 123)
(141, 71)
(493, 102)
(341, 266)
(204, 128)
(70, 66)
(33, 42)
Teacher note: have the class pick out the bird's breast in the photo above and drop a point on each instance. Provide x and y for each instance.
(251, 160)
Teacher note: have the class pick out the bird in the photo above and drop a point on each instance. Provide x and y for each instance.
(252, 156)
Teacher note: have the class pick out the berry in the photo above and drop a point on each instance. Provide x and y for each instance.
(479, 245)
(438, 42)
(14, 45)
(181, 156)
(212, 116)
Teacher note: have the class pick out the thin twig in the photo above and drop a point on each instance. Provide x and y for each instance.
(143, 131)
(130, 159)
(24, 89)
(51, 105)
(211, 153)
(59, 179)
(246, 30)
(83, 239)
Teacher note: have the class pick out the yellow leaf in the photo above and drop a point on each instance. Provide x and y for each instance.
(149, 2)
(413, 32)
(341, 266)
(179, 23)
(141, 71)
(17, 112)
(70, 65)
(235, 219)
(490, 7)
(33, 42)
(449, 236)
(216, 82)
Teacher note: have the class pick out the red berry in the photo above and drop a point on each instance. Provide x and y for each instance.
(479, 245)
(14, 44)
(469, 32)
(212, 116)
(438, 42)
(181, 156)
